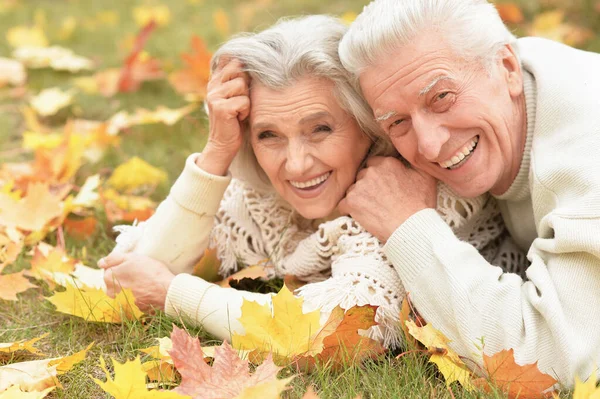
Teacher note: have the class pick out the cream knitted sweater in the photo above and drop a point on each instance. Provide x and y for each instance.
(552, 208)
(344, 264)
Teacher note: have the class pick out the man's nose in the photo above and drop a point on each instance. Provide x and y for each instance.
(299, 160)
(431, 137)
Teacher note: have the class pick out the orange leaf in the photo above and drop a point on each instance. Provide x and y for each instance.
(194, 78)
(524, 382)
(81, 228)
(253, 272)
(13, 284)
(126, 81)
(208, 266)
(229, 375)
(510, 13)
(293, 282)
(31, 213)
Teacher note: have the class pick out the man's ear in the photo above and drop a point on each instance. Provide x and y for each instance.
(510, 67)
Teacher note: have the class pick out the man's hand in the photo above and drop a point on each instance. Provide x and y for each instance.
(148, 278)
(385, 194)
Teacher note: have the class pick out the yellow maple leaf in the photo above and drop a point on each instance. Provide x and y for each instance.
(221, 20)
(10, 248)
(14, 392)
(136, 173)
(38, 375)
(44, 266)
(160, 14)
(284, 330)
(130, 382)
(32, 212)
(267, 390)
(49, 101)
(586, 390)
(94, 305)
(123, 120)
(22, 345)
(21, 36)
(448, 361)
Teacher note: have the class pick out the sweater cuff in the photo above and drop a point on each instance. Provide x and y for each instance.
(199, 191)
(184, 297)
(411, 247)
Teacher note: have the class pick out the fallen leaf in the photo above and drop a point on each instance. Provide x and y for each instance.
(88, 196)
(160, 15)
(134, 174)
(14, 392)
(94, 305)
(13, 284)
(67, 28)
(293, 282)
(253, 272)
(229, 375)
(194, 77)
(32, 212)
(586, 390)
(81, 229)
(55, 57)
(523, 382)
(551, 25)
(448, 361)
(129, 79)
(22, 345)
(38, 375)
(310, 394)
(130, 382)
(348, 17)
(208, 266)
(9, 250)
(285, 331)
(12, 72)
(126, 208)
(49, 101)
(43, 267)
(160, 371)
(510, 13)
(21, 36)
(83, 276)
(123, 119)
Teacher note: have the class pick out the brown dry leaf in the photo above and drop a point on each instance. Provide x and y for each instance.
(253, 272)
(523, 382)
(448, 361)
(38, 375)
(293, 282)
(31, 213)
(208, 266)
(13, 284)
(14, 392)
(194, 77)
(44, 266)
(95, 305)
(22, 345)
(81, 229)
(510, 13)
(229, 375)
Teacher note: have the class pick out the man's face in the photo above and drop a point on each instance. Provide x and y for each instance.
(454, 120)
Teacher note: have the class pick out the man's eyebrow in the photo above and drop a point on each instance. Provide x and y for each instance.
(385, 116)
(427, 88)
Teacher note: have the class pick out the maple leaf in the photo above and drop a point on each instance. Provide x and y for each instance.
(253, 272)
(130, 382)
(94, 305)
(55, 57)
(14, 392)
(550, 25)
(13, 284)
(586, 390)
(22, 345)
(194, 78)
(83, 276)
(448, 361)
(523, 382)
(510, 13)
(123, 120)
(208, 266)
(38, 375)
(128, 81)
(32, 212)
(12, 72)
(43, 266)
(10, 248)
(160, 14)
(229, 375)
(134, 174)
(49, 101)
(81, 229)
(284, 330)
(126, 208)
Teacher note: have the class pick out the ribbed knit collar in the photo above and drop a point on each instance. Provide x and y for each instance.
(519, 189)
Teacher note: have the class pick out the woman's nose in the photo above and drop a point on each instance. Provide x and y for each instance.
(431, 137)
(299, 160)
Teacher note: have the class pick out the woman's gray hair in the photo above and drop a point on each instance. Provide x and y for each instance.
(473, 28)
(283, 54)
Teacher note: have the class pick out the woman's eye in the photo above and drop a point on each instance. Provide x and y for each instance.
(266, 135)
(322, 128)
(396, 122)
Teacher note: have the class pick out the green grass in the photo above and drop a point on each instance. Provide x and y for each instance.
(411, 376)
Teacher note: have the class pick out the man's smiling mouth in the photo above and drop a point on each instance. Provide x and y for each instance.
(461, 156)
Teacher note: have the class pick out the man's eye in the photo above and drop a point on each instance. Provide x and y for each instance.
(322, 128)
(266, 135)
(443, 95)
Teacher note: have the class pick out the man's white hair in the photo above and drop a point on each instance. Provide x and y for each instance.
(473, 28)
(281, 55)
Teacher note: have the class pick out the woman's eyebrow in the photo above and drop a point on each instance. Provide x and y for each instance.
(435, 80)
(313, 117)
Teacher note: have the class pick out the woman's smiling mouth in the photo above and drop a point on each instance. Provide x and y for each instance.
(312, 184)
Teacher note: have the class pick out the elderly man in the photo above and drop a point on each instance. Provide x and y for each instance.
(465, 102)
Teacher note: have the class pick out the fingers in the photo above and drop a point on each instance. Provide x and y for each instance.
(231, 88)
(112, 284)
(232, 70)
(113, 259)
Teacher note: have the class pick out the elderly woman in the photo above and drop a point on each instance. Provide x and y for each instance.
(286, 121)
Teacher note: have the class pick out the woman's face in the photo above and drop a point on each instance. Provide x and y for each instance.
(308, 146)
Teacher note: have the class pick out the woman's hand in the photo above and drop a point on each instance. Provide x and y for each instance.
(148, 279)
(228, 104)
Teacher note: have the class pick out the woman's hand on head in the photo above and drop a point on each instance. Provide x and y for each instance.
(147, 278)
(228, 104)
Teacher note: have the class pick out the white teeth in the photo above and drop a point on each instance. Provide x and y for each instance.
(460, 155)
(310, 183)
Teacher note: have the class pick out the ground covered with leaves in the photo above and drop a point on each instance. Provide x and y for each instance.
(100, 104)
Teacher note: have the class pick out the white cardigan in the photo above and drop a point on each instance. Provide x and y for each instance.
(552, 208)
